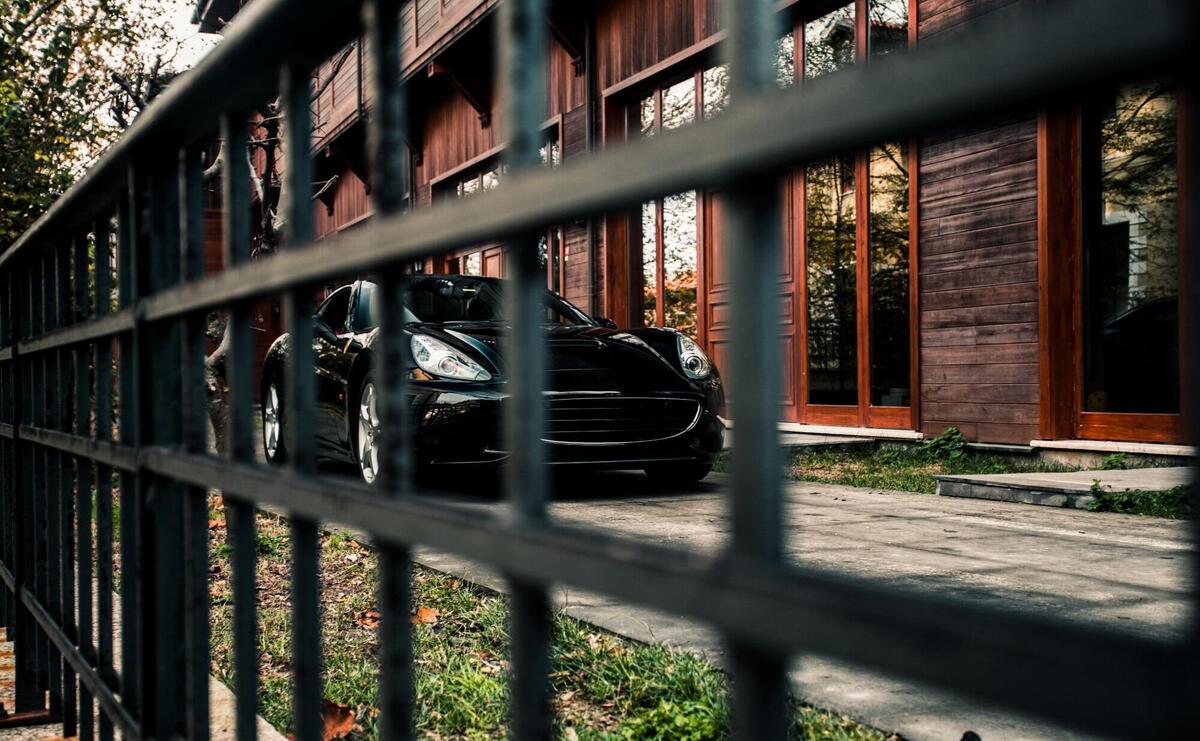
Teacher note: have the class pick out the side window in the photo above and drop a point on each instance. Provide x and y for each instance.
(333, 312)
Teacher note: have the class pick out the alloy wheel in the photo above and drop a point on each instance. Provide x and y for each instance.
(368, 434)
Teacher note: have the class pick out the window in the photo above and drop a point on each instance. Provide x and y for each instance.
(1131, 256)
(831, 274)
(844, 262)
(670, 226)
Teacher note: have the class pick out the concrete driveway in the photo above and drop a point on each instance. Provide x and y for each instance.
(1100, 568)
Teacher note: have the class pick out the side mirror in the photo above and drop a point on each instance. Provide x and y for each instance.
(604, 321)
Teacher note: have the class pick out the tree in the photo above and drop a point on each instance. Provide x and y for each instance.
(59, 60)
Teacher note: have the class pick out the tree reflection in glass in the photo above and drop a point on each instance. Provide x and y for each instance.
(832, 281)
(888, 26)
(679, 262)
(889, 271)
(829, 42)
(650, 264)
(1131, 261)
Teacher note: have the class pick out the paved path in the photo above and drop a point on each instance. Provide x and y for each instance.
(1102, 568)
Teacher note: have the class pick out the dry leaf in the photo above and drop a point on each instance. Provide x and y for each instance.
(339, 720)
(367, 619)
(427, 615)
(216, 524)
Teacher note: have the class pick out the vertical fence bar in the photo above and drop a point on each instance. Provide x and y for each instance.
(760, 697)
(83, 483)
(296, 94)
(386, 144)
(194, 410)
(104, 502)
(25, 690)
(161, 525)
(130, 244)
(240, 436)
(52, 405)
(65, 495)
(522, 62)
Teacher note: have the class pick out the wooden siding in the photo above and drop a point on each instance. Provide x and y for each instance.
(633, 35)
(978, 283)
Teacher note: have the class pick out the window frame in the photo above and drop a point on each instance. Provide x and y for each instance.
(863, 413)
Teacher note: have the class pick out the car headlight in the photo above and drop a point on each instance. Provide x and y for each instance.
(695, 363)
(439, 359)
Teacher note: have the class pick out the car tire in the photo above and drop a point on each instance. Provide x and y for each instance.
(365, 451)
(677, 474)
(273, 437)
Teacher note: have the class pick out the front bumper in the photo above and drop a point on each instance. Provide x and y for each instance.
(465, 427)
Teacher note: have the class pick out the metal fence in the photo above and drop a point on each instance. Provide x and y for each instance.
(58, 334)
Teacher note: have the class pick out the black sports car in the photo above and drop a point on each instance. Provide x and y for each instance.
(623, 399)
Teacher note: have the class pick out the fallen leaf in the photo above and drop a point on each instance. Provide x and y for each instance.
(367, 619)
(216, 524)
(339, 720)
(427, 615)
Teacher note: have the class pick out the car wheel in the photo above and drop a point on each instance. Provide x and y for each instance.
(677, 474)
(274, 447)
(366, 439)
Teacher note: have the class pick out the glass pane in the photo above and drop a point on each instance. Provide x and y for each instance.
(650, 264)
(679, 104)
(679, 262)
(1131, 290)
(470, 187)
(716, 90)
(889, 276)
(646, 116)
(785, 60)
(832, 283)
(829, 42)
(888, 30)
(491, 179)
(474, 264)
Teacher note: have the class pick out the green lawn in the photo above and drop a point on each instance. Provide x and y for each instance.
(606, 687)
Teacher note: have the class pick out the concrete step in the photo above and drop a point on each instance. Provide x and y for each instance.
(1070, 489)
(793, 442)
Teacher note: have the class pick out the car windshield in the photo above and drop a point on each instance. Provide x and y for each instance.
(441, 299)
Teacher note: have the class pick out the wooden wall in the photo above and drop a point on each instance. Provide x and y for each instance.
(632, 35)
(978, 265)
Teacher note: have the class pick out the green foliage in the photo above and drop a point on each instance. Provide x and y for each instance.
(58, 59)
(1115, 462)
(948, 446)
(1172, 504)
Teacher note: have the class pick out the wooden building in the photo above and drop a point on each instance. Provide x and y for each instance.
(1017, 279)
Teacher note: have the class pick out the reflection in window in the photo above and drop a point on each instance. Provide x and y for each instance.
(888, 27)
(785, 60)
(679, 245)
(830, 254)
(829, 42)
(650, 264)
(1131, 262)
(716, 90)
(889, 222)
(679, 104)
(473, 265)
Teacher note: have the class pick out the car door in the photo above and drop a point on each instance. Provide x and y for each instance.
(327, 361)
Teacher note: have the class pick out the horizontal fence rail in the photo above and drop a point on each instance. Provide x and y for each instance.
(71, 326)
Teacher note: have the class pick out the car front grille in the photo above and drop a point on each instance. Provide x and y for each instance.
(611, 420)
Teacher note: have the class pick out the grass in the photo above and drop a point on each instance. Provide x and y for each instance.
(908, 468)
(605, 686)
(1172, 504)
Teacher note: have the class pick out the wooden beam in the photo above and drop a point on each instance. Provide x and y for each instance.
(478, 98)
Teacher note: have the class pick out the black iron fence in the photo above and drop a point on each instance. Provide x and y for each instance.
(61, 338)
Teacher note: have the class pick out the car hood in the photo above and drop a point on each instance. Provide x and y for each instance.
(581, 358)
